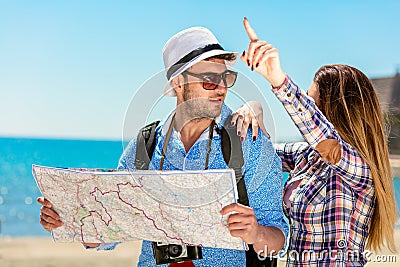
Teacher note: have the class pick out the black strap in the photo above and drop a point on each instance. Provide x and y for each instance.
(233, 156)
(190, 56)
(145, 144)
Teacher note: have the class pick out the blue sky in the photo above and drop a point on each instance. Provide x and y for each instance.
(70, 69)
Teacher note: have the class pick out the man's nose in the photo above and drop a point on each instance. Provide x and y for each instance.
(221, 86)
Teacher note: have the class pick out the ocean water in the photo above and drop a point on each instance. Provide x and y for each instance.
(19, 211)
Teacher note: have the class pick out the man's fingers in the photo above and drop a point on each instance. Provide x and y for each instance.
(244, 219)
(50, 213)
(45, 226)
(48, 217)
(250, 31)
(41, 200)
(235, 207)
(238, 226)
(51, 221)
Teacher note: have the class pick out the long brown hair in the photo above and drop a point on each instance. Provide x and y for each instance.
(348, 100)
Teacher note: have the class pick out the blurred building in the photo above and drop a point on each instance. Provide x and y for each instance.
(388, 90)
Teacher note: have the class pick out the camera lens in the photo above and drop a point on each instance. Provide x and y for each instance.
(175, 250)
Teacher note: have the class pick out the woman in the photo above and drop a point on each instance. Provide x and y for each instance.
(339, 196)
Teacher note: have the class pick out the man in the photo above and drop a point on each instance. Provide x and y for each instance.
(198, 75)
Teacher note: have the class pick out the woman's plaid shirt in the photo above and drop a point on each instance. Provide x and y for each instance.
(331, 208)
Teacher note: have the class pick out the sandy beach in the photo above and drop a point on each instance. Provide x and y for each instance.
(43, 252)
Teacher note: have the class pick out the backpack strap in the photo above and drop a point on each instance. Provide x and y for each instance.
(233, 156)
(145, 144)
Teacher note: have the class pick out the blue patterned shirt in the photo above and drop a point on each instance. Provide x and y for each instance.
(262, 174)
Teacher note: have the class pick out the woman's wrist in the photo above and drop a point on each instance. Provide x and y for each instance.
(279, 81)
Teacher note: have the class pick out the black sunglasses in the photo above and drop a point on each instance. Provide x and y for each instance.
(211, 80)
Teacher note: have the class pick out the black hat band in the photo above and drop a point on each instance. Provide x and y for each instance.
(190, 56)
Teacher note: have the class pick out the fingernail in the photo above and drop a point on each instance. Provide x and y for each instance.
(232, 123)
(254, 138)
(252, 68)
(245, 18)
(248, 63)
(238, 133)
(257, 65)
(244, 52)
(241, 139)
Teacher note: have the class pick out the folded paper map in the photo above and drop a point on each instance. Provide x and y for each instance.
(175, 207)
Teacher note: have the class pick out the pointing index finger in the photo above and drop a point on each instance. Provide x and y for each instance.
(250, 31)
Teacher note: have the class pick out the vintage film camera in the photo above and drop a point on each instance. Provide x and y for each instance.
(168, 253)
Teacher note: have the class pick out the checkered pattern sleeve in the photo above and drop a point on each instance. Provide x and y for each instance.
(291, 154)
(315, 128)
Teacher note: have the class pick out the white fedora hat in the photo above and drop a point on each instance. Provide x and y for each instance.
(187, 48)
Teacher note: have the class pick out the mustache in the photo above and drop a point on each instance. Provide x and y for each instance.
(218, 95)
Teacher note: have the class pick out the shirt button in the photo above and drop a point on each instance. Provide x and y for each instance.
(300, 110)
(285, 90)
(289, 94)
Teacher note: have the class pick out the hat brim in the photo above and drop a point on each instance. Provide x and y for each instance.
(169, 90)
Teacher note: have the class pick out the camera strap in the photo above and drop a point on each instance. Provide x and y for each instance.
(168, 136)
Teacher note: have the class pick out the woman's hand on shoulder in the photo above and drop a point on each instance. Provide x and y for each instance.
(251, 113)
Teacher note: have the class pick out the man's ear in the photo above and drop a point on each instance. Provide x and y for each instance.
(178, 84)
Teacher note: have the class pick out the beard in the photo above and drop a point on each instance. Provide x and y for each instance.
(196, 107)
